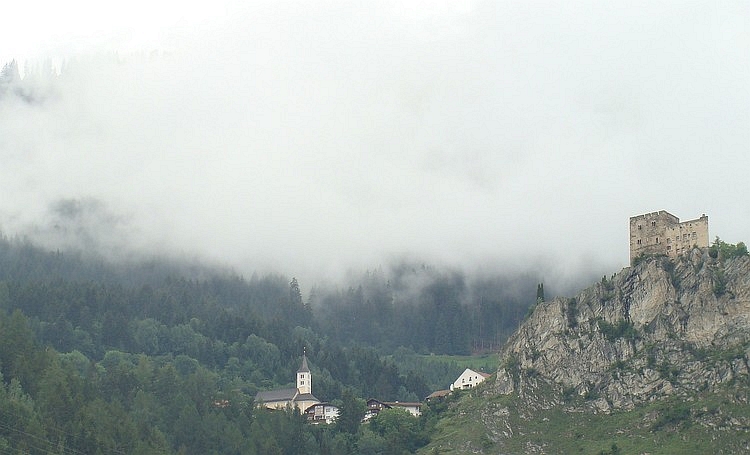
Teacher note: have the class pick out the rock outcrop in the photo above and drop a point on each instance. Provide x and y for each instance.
(662, 327)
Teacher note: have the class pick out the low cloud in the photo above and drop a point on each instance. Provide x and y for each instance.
(310, 139)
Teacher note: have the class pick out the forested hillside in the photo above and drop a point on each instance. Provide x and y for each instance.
(165, 357)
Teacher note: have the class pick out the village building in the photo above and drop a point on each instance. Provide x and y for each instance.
(469, 379)
(661, 233)
(437, 395)
(322, 413)
(300, 397)
(375, 406)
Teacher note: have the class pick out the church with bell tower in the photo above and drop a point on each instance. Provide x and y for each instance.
(300, 397)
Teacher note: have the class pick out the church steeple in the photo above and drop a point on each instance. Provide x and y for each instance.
(304, 377)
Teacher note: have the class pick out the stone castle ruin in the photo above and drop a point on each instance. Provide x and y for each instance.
(662, 233)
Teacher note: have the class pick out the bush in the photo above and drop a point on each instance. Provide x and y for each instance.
(672, 416)
(723, 250)
(571, 313)
(622, 329)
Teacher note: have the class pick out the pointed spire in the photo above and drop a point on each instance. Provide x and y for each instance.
(304, 368)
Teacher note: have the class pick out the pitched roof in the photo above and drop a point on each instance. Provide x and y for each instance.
(480, 373)
(270, 396)
(305, 397)
(303, 368)
(438, 394)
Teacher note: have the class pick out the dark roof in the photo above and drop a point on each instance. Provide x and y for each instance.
(323, 403)
(439, 394)
(303, 368)
(270, 396)
(306, 397)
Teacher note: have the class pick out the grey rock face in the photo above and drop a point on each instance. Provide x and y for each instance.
(662, 327)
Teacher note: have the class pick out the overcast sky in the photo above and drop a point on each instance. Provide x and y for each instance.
(309, 137)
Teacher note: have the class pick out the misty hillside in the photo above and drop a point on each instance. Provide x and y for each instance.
(146, 349)
(652, 359)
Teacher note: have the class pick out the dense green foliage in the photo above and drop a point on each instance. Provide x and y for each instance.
(426, 310)
(165, 357)
(723, 250)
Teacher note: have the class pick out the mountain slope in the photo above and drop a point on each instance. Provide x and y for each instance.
(657, 346)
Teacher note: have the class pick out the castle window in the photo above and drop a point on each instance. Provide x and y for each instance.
(653, 223)
(669, 240)
(639, 241)
(657, 240)
(669, 247)
(639, 226)
(695, 236)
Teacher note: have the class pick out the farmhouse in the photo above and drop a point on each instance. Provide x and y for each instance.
(322, 413)
(375, 406)
(469, 379)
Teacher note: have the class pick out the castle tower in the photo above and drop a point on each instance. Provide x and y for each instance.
(661, 233)
(304, 377)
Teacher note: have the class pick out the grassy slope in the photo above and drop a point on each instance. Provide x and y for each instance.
(441, 370)
(485, 362)
(707, 423)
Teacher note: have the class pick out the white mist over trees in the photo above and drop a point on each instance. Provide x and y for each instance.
(310, 139)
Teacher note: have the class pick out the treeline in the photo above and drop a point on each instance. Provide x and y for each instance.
(52, 403)
(166, 357)
(426, 310)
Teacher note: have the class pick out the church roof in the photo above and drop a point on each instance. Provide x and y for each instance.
(270, 396)
(303, 368)
(306, 397)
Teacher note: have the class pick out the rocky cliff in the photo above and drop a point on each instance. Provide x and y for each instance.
(659, 328)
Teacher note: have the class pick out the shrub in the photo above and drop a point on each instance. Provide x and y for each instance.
(723, 250)
(571, 313)
(622, 329)
(672, 416)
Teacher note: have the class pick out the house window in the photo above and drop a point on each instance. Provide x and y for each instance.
(695, 236)
(669, 240)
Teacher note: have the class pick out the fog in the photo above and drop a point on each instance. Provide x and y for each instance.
(312, 138)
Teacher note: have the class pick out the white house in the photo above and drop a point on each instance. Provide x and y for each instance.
(414, 409)
(468, 379)
(322, 413)
(375, 406)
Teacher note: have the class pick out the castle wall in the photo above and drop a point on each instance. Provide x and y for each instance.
(663, 233)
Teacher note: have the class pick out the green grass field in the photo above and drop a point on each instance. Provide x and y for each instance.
(441, 370)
